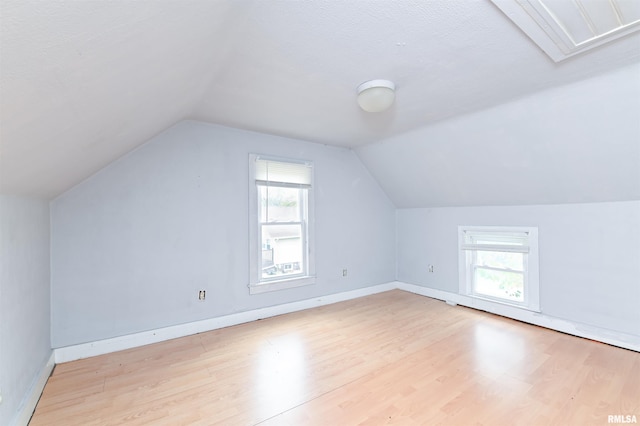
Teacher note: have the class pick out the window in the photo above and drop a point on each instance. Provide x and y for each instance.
(500, 264)
(281, 200)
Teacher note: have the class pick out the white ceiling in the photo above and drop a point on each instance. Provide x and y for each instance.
(83, 82)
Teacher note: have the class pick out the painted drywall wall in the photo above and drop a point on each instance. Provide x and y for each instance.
(132, 245)
(572, 144)
(25, 344)
(589, 256)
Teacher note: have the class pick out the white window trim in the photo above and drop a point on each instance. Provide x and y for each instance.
(532, 277)
(256, 286)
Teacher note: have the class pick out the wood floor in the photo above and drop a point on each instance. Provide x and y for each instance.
(391, 358)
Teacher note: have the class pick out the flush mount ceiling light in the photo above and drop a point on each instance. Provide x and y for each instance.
(376, 95)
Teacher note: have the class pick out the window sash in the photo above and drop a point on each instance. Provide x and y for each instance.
(474, 266)
(302, 214)
(303, 255)
(479, 259)
(263, 208)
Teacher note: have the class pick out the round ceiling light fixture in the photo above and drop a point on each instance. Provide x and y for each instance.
(376, 95)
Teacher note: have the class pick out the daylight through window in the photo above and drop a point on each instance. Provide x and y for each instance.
(283, 195)
(500, 264)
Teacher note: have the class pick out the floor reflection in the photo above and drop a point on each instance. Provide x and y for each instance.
(496, 349)
(281, 375)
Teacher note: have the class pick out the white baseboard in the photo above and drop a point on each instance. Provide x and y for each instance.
(100, 347)
(33, 396)
(623, 340)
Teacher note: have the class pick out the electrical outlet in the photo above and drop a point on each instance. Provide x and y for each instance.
(202, 294)
(344, 272)
(431, 268)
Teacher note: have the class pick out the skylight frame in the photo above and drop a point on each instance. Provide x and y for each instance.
(539, 22)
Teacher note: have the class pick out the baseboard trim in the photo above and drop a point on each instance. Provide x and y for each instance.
(101, 347)
(623, 340)
(33, 396)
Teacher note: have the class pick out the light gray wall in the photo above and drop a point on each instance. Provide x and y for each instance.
(589, 255)
(132, 245)
(576, 143)
(24, 299)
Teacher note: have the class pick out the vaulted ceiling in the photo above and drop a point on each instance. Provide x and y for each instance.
(83, 82)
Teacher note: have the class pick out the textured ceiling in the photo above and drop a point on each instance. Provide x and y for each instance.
(84, 82)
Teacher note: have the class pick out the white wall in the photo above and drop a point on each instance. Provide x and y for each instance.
(132, 245)
(589, 256)
(572, 144)
(24, 300)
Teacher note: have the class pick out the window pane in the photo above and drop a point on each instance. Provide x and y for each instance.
(501, 284)
(279, 204)
(499, 259)
(282, 250)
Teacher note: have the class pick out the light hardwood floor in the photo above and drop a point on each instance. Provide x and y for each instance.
(391, 358)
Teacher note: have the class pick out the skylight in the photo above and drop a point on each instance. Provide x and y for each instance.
(563, 28)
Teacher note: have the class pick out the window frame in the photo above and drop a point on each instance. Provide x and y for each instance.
(257, 284)
(467, 255)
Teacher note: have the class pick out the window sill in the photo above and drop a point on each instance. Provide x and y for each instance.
(281, 284)
(504, 302)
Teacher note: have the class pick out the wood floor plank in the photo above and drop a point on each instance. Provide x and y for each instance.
(391, 358)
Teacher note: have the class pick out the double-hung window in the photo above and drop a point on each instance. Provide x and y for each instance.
(500, 264)
(281, 201)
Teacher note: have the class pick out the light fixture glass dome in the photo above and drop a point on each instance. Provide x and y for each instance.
(376, 95)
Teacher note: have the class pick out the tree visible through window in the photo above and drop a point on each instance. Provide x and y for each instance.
(500, 264)
(281, 202)
(499, 274)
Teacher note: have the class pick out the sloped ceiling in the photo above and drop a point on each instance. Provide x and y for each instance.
(578, 143)
(82, 83)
